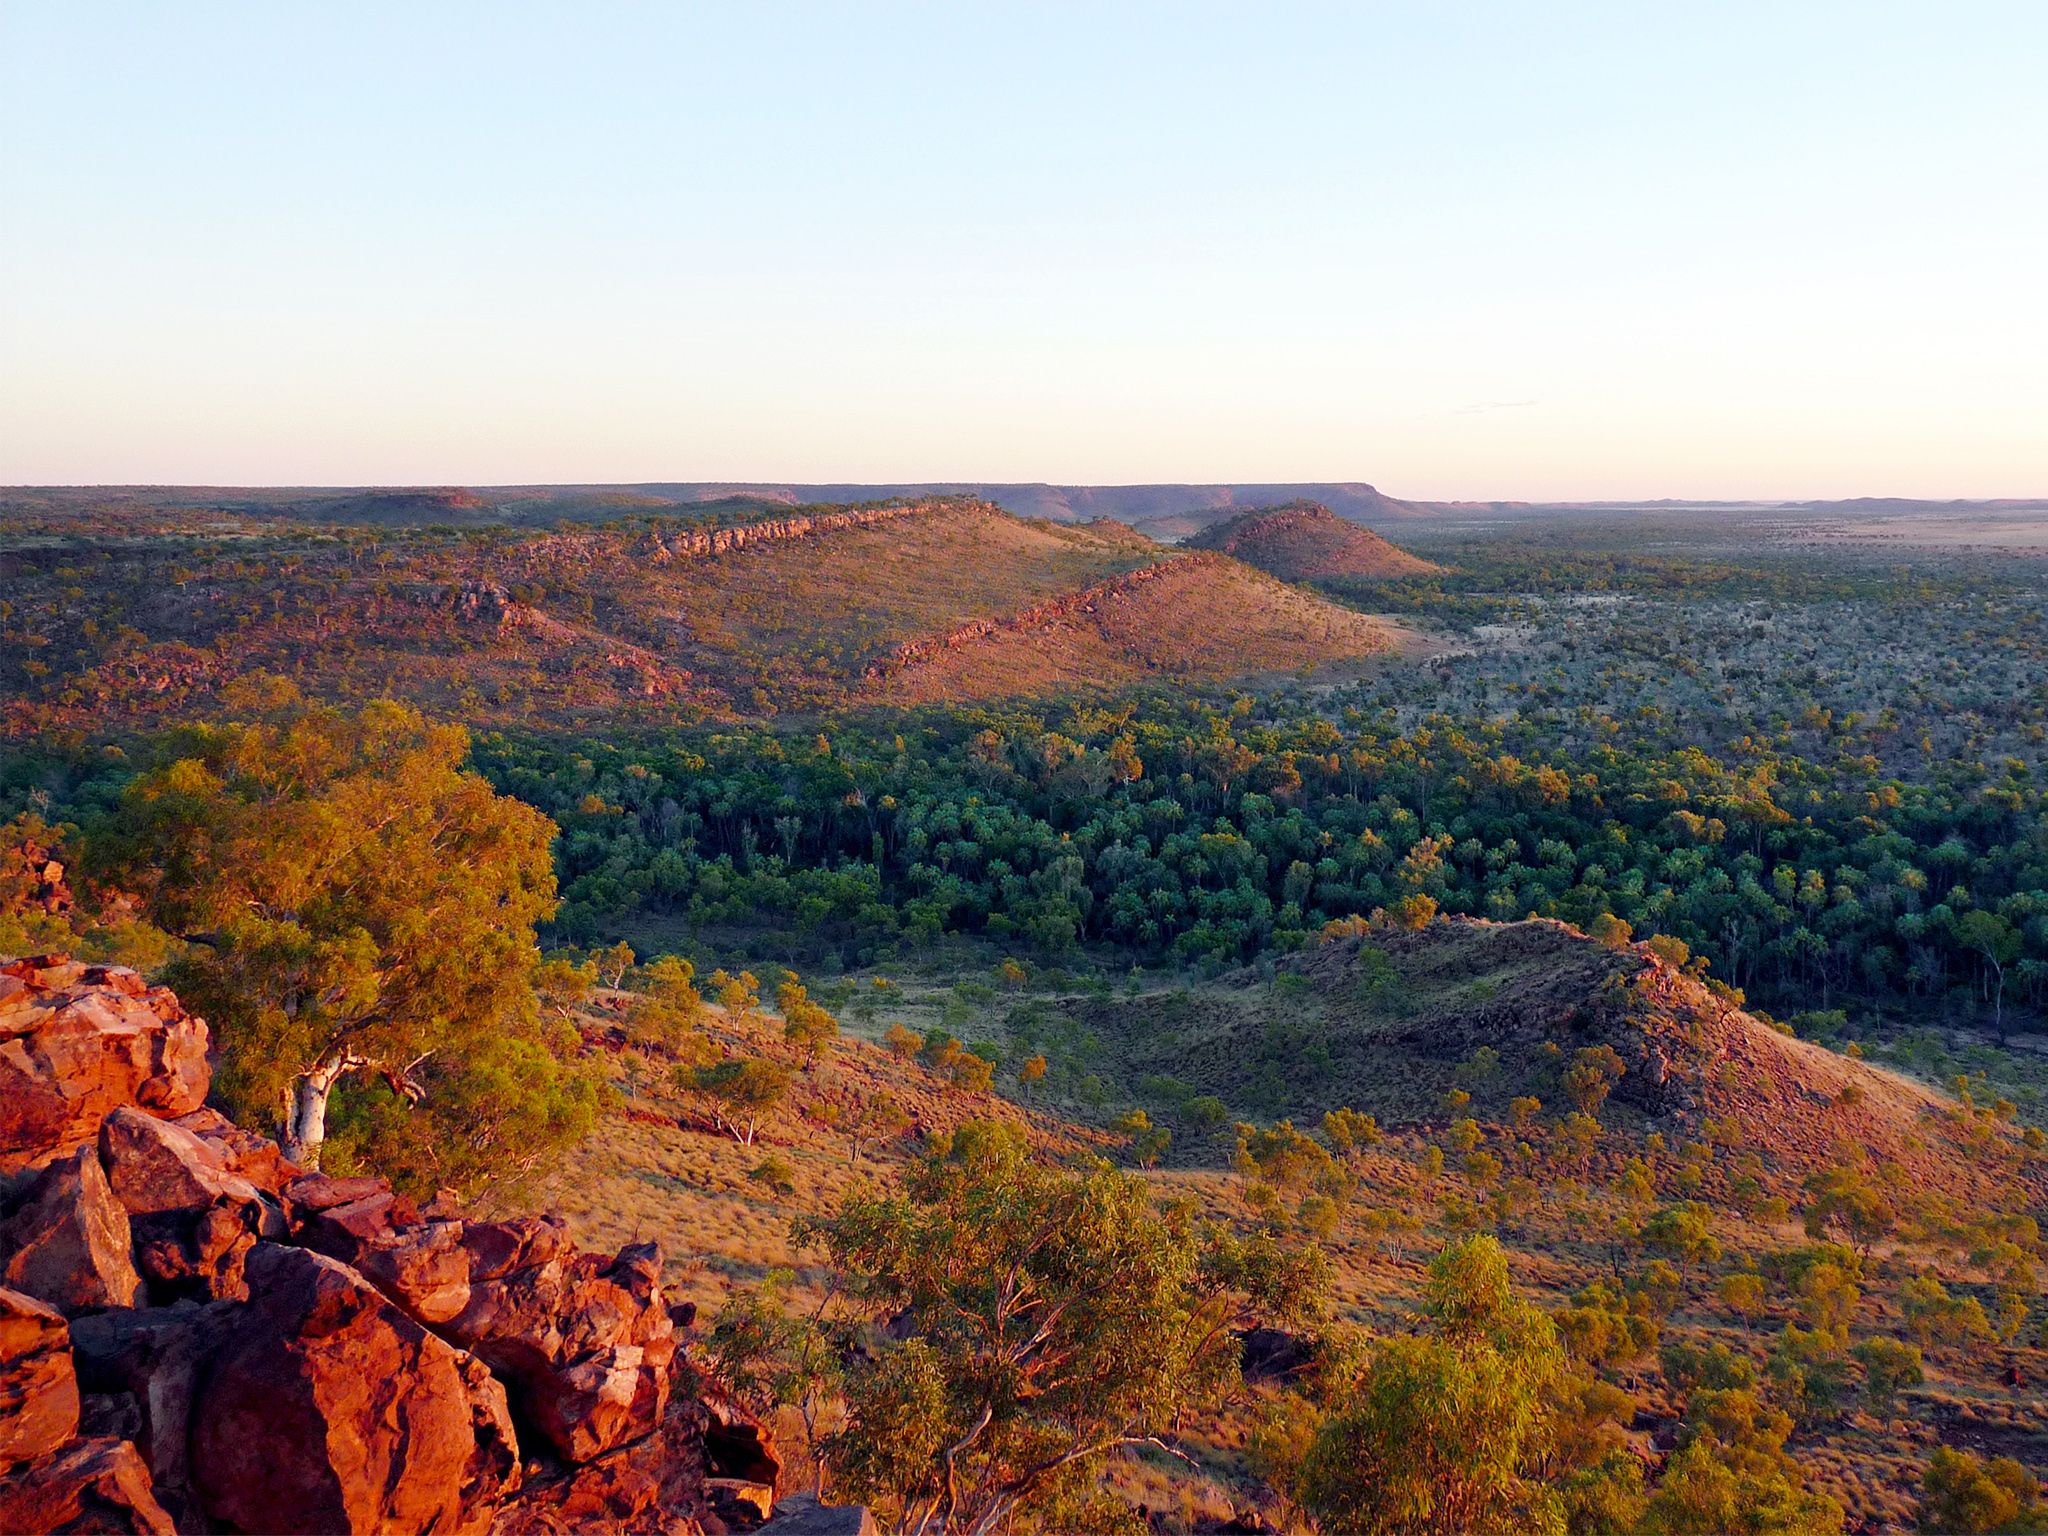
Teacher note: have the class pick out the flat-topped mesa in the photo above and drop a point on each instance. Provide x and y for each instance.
(193, 1330)
(1039, 616)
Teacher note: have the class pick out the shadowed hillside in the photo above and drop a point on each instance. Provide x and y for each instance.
(1306, 541)
(1388, 1022)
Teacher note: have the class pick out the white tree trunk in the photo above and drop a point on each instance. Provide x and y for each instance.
(306, 1120)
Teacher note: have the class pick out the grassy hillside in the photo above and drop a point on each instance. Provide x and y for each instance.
(1306, 541)
(133, 613)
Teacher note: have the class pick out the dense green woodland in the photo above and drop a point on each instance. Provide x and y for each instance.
(1205, 833)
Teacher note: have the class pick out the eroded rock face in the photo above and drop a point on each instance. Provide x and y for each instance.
(80, 1041)
(255, 1158)
(424, 1268)
(38, 1386)
(194, 1219)
(155, 1166)
(584, 1346)
(66, 1240)
(654, 1486)
(328, 1409)
(493, 1469)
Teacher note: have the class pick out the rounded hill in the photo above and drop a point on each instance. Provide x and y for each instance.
(1306, 541)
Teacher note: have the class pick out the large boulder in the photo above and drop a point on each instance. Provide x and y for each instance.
(65, 1238)
(256, 1158)
(38, 1386)
(329, 1409)
(194, 1218)
(140, 1371)
(79, 1041)
(424, 1267)
(155, 1166)
(586, 1347)
(90, 1485)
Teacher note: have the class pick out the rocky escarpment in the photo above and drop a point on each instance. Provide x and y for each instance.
(195, 1335)
(1045, 615)
(698, 544)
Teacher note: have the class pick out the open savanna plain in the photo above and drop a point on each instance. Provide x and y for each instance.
(1653, 903)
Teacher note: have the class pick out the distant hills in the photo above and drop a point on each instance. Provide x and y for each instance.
(1166, 512)
(123, 610)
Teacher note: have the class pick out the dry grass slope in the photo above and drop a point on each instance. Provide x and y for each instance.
(1399, 1014)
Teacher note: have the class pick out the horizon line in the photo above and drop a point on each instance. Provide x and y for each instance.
(965, 484)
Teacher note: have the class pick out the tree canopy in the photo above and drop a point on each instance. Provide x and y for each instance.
(1056, 1316)
(359, 909)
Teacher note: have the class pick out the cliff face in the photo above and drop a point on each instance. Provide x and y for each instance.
(1196, 617)
(195, 1335)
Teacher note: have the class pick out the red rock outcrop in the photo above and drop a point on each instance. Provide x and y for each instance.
(255, 1348)
(80, 1041)
(586, 1348)
(328, 1409)
(140, 1370)
(1039, 616)
(699, 544)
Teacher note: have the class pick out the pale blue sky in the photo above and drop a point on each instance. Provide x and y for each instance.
(1481, 250)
